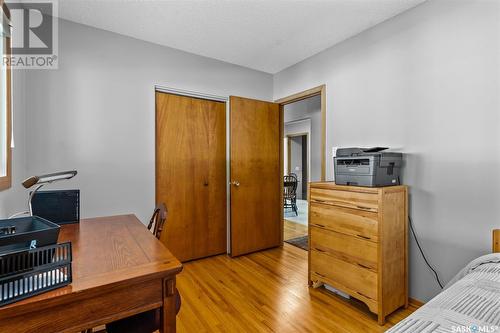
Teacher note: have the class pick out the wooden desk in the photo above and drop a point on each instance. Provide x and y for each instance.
(119, 269)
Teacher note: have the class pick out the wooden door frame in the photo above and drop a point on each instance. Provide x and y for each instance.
(316, 91)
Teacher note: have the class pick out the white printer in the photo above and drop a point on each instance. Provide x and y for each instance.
(371, 167)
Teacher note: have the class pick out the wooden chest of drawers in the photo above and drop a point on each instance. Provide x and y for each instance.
(358, 243)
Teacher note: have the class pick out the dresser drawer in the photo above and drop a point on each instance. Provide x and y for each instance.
(353, 250)
(355, 200)
(360, 224)
(354, 280)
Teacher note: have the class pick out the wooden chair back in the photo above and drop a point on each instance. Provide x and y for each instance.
(157, 221)
(290, 187)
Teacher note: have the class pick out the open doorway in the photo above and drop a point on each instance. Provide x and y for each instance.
(303, 159)
(296, 177)
(297, 162)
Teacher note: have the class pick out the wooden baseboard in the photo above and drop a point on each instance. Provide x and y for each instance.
(415, 302)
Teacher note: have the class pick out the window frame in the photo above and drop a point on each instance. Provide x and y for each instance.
(6, 181)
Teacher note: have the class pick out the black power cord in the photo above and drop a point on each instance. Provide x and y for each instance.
(423, 255)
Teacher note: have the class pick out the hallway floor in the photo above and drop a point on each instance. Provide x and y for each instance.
(293, 230)
(302, 208)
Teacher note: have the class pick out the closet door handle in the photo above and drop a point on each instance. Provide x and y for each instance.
(235, 183)
(321, 275)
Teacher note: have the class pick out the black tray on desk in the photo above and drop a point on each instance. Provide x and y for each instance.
(25, 232)
(31, 272)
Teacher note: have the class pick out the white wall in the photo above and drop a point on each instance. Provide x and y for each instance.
(15, 199)
(96, 113)
(425, 83)
(309, 108)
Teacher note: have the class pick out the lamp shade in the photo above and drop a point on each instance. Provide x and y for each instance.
(48, 178)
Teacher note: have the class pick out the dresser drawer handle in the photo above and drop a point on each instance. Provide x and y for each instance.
(319, 274)
(319, 250)
(364, 266)
(364, 237)
(319, 225)
(357, 292)
(363, 208)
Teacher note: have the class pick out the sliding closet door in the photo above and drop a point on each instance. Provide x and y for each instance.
(255, 175)
(191, 174)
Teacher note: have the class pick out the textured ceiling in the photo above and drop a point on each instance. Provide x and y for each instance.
(265, 35)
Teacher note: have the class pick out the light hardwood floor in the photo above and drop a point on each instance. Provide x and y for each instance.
(293, 230)
(266, 292)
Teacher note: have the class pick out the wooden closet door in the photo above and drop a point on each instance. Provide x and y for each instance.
(255, 176)
(217, 179)
(190, 174)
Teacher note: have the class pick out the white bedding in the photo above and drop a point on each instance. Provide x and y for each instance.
(469, 303)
